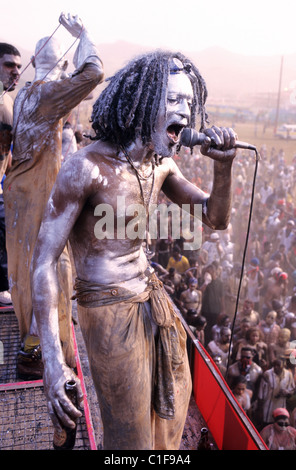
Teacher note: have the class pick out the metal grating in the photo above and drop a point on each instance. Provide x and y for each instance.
(24, 419)
(10, 344)
(25, 423)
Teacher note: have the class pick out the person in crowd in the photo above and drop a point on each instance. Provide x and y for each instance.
(254, 341)
(10, 65)
(276, 386)
(241, 393)
(247, 368)
(191, 298)
(240, 334)
(197, 325)
(281, 313)
(69, 143)
(269, 328)
(206, 277)
(265, 191)
(292, 258)
(178, 261)
(249, 313)
(221, 345)
(39, 109)
(231, 284)
(291, 316)
(279, 435)
(228, 247)
(279, 348)
(287, 235)
(264, 257)
(254, 283)
(214, 248)
(277, 291)
(212, 301)
(254, 251)
(163, 248)
(218, 362)
(223, 320)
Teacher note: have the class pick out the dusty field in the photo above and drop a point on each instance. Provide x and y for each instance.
(256, 135)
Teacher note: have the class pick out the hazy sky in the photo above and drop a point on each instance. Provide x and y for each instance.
(261, 27)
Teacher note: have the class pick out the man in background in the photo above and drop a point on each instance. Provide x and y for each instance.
(39, 110)
(10, 64)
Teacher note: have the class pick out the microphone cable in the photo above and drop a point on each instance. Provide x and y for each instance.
(38, 52)
(31, 61)
(244, 254)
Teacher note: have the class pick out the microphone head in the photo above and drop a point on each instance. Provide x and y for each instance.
(190, 137)
(187, 137)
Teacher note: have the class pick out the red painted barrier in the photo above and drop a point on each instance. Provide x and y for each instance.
(225, 419)
(87, 413)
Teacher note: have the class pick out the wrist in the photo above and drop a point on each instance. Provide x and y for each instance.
(223, 167)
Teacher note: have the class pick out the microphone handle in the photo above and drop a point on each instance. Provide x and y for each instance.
(190, 138)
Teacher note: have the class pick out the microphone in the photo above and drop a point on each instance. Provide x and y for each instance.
(190, 138)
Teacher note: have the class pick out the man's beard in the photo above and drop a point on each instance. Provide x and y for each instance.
(10, 85)
(164, 150)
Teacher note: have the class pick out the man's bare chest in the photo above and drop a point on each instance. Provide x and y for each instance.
(124, 191)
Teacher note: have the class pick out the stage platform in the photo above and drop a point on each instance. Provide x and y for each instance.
(24, 420)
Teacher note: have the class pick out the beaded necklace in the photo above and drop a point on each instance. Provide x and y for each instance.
(140, 178)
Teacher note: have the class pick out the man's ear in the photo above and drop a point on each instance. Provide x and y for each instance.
(33, 61)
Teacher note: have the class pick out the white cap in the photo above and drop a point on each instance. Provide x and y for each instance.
(214, 236)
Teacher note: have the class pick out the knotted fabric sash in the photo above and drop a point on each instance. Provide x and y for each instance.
(171, 344)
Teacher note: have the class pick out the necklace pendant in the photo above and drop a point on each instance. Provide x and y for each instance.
(149, 271)
(149, 253)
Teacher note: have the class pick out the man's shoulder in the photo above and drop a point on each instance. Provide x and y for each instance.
(168, 164)
(88, 163)
(256, 367)
(93, 154)
(6, 109)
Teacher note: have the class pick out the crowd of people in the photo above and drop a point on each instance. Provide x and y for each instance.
(251, 337)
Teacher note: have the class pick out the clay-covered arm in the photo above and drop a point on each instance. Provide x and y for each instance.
(62, 210)
(59, 97)
(216, 207)
(86, 51)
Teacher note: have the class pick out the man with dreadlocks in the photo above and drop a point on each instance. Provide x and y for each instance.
(135, 341)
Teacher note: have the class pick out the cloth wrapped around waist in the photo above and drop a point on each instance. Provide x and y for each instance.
(171, 343)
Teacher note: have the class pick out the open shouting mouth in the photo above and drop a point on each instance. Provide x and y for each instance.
(174, 131)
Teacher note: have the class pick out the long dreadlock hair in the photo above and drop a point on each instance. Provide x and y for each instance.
(127, 108)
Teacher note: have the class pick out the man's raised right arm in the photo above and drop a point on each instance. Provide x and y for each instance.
(60, 97)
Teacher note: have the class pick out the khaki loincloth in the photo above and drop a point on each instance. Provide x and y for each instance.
(142, 381)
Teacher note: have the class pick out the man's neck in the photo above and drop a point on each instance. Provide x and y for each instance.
(140, 154)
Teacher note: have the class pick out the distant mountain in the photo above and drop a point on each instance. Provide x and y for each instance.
(228, 75)
(235, 75)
